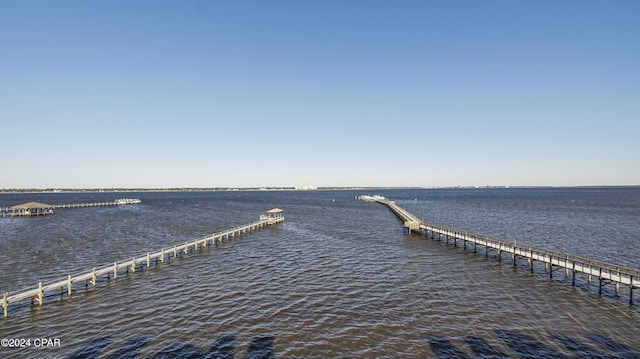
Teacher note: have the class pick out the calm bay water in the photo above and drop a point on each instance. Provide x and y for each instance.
(337, 279)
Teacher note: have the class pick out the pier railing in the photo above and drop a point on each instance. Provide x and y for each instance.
(606, 273)
(17, 212)
(111, 270)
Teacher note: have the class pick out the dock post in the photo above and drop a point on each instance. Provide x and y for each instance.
(589, 278)
(5, 305)
(551, 266)
(175, 250)
(573, 273)
(630, 291)
(618, 284)
(93, 277)
(133, 265)
(566, 267)
(530, 260)
(513, 256)
(69, 286)
(40, 296)
(162, 255)
(148, 260)
(600, 281)
(115, 270)
(186, 247)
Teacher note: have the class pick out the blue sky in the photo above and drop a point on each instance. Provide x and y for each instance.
(327, 93)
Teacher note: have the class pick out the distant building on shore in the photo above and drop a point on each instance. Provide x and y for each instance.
(305, 188)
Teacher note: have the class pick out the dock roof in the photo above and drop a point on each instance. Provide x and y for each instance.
(275, 210)
(31, 205)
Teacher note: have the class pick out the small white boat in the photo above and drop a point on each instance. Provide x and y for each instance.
(124, 201)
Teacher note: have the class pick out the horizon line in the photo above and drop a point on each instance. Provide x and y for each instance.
(291, 188)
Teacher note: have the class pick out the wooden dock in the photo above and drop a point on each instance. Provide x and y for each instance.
(111, 271)
(32, 209)
(554, 261)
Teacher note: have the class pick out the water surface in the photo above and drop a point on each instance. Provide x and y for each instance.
(338, 278)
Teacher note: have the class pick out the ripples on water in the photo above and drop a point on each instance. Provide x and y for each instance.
(337, 279)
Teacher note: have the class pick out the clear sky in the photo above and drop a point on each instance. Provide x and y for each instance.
(326, 93)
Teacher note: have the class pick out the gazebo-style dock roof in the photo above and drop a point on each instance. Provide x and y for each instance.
(31, 209)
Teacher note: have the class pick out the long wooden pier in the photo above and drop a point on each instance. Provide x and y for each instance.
(32, 209)
(605, 273)
(111, 271)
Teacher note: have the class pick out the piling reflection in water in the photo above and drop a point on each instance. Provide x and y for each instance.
(520, 345)
(260, 347)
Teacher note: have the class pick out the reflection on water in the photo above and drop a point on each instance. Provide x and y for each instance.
(469, 346)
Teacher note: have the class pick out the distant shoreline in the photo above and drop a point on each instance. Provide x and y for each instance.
(217, 189)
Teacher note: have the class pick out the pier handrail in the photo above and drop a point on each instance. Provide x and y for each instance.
(604, 271)
(526, 247)
(71, 279)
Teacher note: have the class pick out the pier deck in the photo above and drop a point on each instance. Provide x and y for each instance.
(37, 295)
(32, 209)
(606, 273)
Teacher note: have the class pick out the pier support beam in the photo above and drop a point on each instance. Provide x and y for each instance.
(600, 282)
(39, 296)
(5, 305)
(69, 286)
(115, 270)
(93, 277)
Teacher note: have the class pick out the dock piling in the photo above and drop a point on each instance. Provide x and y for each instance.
(39, 296)
(93, 277)
(5, 304)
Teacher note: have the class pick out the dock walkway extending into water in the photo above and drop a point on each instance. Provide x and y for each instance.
(37, 295)
(606, 273)
(32, 209)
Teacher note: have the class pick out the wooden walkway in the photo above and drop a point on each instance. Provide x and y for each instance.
(37, 295)
(90, 204)
(605, 273)
(11, 212)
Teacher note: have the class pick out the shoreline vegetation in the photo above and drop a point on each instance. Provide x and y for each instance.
(286, 188)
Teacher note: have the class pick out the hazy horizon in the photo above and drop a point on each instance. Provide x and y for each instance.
(165, 94)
